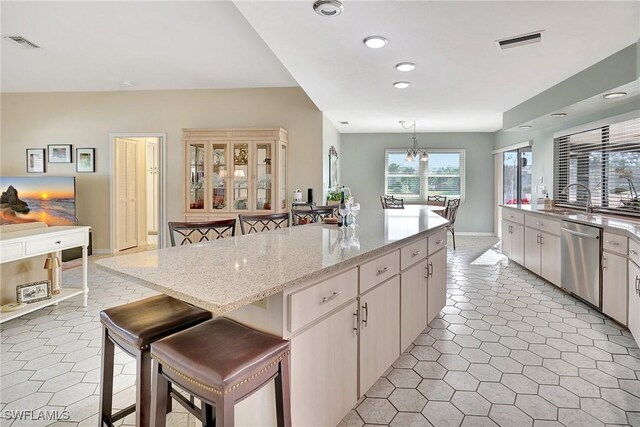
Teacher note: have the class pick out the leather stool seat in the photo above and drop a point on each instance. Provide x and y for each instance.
(140, 323)
(133, 327)
(221, 362)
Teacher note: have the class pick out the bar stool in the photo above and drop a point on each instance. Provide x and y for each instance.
(221, 362)
(133, 327)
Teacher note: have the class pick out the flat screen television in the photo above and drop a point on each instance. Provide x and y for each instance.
(49, 199)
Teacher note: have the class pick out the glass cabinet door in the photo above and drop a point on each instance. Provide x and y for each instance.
(219, 176)
(196, 153)
(283, 177)
(264, 177)
(240, 176)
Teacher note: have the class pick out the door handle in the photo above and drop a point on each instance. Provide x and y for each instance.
(537, 239)
(541, 241)
(577, 233)
(638, 285)
(604, 261)
(365, 307)
(430, 269)
(355, 316)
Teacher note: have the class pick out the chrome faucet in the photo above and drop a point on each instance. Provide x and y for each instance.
(589, 206)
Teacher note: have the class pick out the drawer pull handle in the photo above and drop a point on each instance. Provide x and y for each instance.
(539, 223)
(612, 243)
(638, 285)
(58, 242)
(355, 327)
(416, 253)
(430, 269)
(439, 241)
(633, 252)
(383, 270)
(330, 297)
(537, 239)
(365, 307)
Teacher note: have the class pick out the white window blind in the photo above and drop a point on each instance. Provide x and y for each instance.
(605, 159)
(442, 174)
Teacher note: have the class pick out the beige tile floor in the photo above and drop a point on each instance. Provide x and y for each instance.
(508, 349)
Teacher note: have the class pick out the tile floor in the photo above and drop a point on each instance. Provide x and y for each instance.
(508, 349)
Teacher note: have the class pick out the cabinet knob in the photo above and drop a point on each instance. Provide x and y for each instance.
(58, 242)
(383, 270)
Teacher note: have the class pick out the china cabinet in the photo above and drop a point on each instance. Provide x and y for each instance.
(231, 171)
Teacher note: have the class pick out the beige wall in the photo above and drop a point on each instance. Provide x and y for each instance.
(87, 119)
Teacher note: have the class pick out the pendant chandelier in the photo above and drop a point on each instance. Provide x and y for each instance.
(414, 151)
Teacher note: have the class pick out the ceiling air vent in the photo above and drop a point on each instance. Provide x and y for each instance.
(22, 42)
(520, 40)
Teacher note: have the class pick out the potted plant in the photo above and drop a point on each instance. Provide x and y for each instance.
(335, 193)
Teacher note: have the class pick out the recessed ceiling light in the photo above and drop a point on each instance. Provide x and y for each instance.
(328, 7)
(558, 115)
(405, 66)
(525, 127)
(375, 42)
(343, 122)
(614, 95)
(401, 85)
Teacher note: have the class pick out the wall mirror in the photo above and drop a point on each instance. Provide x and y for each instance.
(333, 167)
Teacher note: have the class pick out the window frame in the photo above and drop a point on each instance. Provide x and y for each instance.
(423, 174)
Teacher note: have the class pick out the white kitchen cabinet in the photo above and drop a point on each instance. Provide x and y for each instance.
(550, 261)
(325, 361)
(614, 289)
(532, 250)
(436, 283)
(413, 295)
(517, 243)
(634, 301)
(506, 238)
(379, 332)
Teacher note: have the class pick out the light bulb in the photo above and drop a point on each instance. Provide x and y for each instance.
(410, 157)
(424, 157)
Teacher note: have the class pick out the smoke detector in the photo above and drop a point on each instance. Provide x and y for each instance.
(328, 7)
(520, 40)
(22, 42)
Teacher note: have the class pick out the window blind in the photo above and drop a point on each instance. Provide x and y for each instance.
(605, 159)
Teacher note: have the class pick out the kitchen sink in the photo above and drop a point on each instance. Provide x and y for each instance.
(560, 211)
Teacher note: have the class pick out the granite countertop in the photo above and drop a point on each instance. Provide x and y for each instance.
(226, 274)
(615, 224)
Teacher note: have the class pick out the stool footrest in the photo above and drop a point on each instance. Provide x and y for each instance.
(119, 415)
(187, 404)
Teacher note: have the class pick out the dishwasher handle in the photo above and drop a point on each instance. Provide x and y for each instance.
(577, 233)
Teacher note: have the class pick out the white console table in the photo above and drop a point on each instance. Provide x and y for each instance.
(41, 241)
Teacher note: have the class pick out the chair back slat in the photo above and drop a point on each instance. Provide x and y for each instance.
(390, 202)
(250, 224)
(194, 232)
(437, 200)
(308, 216)
(452, 211)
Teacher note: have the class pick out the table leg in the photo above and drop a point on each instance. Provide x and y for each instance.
(85, 268)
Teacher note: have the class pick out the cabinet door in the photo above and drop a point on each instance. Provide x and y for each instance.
(614, 286)
(282, 179)
(517, 243)
(196, 179)
(550, 258)
(437, 284)
(325, 361)
(379, 332)
(240, 177)
(634, 301)
(413, 307)
(532, 249)
(264, 158)
(220, 176)
(506, 238)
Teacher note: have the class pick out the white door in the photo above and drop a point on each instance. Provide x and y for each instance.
(634, 301)
(413, 297)
(550, 261)
(532, 250)
(437, 283)
(517, 243)
(506, 238)
(126, 194)
(152, 186)
(614, 286)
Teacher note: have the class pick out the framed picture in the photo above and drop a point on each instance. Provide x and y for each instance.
(35, 160)
(59, 153)
(85, 159)
(33, 292)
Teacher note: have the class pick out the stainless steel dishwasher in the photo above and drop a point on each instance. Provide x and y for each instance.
(581, 255)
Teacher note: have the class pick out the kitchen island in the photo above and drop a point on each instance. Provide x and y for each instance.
(350, 300)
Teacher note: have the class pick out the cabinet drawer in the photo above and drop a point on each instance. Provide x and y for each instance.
(11, 251)
(513, 216)
(614, 243)
(54, 243)
(313, 302)
(634, 251)
(543, 224)
(379, 270)
(412, 253)
(437, 241)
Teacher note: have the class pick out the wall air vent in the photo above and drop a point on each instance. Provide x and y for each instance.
(520, 40)
(22, 42)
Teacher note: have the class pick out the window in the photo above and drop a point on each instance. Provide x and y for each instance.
(516, 177)
(607, 161)
(442, 174)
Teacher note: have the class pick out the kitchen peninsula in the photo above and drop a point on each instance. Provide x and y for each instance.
(350, 300)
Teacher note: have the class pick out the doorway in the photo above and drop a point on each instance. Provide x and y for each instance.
(137, 189)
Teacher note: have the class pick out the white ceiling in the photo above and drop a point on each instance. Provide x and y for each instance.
(463, 82)
(93, 46)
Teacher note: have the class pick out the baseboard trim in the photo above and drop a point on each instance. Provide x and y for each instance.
(101, 252)
(473, 233)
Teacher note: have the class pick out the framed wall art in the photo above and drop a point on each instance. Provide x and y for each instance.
(85, 159)
(59, 153)
(36, 160)
(33, 292)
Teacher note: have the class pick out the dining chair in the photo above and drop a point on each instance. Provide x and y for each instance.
(258, 223)
(437, 200)
(308, 216)
(193, 232)
(390, 202)
(450, 213)
(326, 208)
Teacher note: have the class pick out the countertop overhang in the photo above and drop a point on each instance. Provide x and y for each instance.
(615, 224)
(226, 274)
